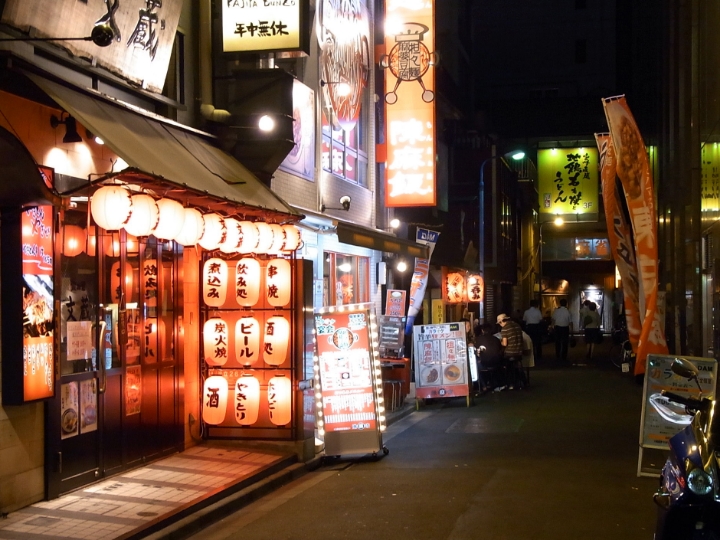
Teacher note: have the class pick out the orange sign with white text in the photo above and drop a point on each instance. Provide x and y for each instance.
(410, 103)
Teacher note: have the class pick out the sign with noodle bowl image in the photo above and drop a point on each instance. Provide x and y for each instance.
(440, 355)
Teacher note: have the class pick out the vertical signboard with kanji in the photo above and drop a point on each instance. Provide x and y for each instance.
(568, 180)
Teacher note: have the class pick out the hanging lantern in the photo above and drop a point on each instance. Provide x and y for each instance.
(247, 282)
(116, 290)
(170, 222)
(292, 237)
(193, 227)
(91, 241)
(73, 240)
(215, 397)
(455, 287)
(215, 282)
(215, 341)
(247, 340)
(475, 288)
(265, 237)
(112, 248)
(279, 399)
(277, 338)
(247, 400)
(250, 237)
(213, 233)
(110, 207)
(278, 282)
(278, 238)
(231, 242)
(144, 217)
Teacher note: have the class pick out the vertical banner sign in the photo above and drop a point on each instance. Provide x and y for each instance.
(410, 103)
(440, 355)
(420, 276)
(346, 371)
(620, 239)
(38, 304)
(634, 172)
(568, 180)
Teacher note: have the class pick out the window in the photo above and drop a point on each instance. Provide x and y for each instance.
(344, 153)
(346, 279)
(175, 78)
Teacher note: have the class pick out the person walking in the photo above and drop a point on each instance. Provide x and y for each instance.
(512, 341)
(592, 329)
(534, 327)
(562, 324)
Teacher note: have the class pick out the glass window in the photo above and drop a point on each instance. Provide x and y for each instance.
(344, 153)
(346, 279)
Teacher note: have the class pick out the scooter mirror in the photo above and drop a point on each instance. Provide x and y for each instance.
(684, 368)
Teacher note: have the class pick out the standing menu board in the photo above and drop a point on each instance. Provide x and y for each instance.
(348, 378)
(440, 356)
(662, 418)
(392, 336)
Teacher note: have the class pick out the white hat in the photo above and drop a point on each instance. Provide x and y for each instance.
(502, 317)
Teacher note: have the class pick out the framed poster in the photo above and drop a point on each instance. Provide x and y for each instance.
(69, 407)
(133, 390)
(88, 406)
(440, 356)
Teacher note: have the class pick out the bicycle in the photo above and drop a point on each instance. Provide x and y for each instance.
(625, 360)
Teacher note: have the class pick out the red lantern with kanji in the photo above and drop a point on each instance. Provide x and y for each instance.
(280, 399)
(455, 287)
(277, 338)
(250, 237)
(115, 289)
(215, 341)
(292, 237)
(233, 236)
(247, 341)
(278, 282)
(215, 282)
(475, 288)
(247, 400)
(265, 238)
(215, 397)
(247, 282)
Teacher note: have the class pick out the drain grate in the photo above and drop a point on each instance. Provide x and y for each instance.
(485, 425)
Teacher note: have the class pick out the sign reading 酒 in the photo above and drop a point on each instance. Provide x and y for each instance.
(568, 180)
(410, 104)
(262, 25)
(143, 32)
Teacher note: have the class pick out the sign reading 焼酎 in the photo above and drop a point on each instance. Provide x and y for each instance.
(410, 104)
(261, 25)
(568, 180)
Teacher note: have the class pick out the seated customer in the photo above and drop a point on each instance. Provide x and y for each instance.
(490, 353)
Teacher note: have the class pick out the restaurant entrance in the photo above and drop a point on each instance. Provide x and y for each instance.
(117, 405)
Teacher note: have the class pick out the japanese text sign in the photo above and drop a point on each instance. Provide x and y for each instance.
(257, 25)
(568, 180)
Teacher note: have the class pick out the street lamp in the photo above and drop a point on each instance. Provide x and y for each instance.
(558, 222)
(516, 155)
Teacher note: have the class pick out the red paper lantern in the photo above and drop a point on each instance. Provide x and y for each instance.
(455, 287)
(475, 288)
(278, 282)
(280, 399)
(73, 240)
(110, 207)
(215, 397)
(215, 341)
(171, 220)
(276, 341)
(250, 237)
(115, 289)
(265, 238)
(292, 238)
(247, 400)
(215, 282)
(247, 341)
(214, 232)
(247, 282)
(233, 236)
(144, 216)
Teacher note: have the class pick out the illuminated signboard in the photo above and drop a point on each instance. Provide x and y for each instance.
(38, 318)
(440, 353)
(568, 180)
(410, 105)
(262, 25)
(143, 32)
(710, 175)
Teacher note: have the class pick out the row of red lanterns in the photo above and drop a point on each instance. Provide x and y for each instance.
(246, 400)
(115, 207)
(247, 344)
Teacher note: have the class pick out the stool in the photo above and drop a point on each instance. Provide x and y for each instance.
(396, 398)
(515, 372)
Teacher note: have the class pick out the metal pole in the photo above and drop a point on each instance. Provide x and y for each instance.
(481, 230)
(540, 271)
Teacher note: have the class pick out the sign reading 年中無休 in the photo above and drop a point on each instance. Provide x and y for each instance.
(257, 25)
(568, 180)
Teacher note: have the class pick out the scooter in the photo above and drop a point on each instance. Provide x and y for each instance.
(689, 495)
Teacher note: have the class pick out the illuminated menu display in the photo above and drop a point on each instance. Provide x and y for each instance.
(346, 371)
(410, 103)
(38, 327)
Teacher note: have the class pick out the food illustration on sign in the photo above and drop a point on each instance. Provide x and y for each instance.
(452, 373)
(431, 375)
(69, 421)
(343, 338)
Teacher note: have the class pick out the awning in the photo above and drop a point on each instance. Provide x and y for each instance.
(358, 235)
(166, 151)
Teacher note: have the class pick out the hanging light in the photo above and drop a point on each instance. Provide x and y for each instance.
(215, 282)
(215, 397)
(144, 217)
(213, 233)
(215, 341)
(110, 207)
(247, 400)
(277, 337)
(247, 281)
(112, 248)
(250, 237)
(231, 242)
(279, 399)
(247, 341)
(265, 239)
(171, 219)
(455, 287)
(193, 227)
(278, 238)
(73, 240)
(475, 288)
(116, 290)
(278, 282)
(292, 237)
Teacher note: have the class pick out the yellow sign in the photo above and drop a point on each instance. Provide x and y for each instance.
(257, 25)
(710, 184)
(438, 311)
(568, 180)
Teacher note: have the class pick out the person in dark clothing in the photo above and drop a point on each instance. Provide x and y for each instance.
(490, 355)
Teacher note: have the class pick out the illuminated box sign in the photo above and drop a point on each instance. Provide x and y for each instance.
(710, 178)
(568, 180)
(264, 25)
(143, 32)
(410, 105)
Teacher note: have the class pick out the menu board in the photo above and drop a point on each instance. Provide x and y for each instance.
(392, 336)
(440, 356)
(662, 418)
(346, 371)
(88, 406)
(69, 410)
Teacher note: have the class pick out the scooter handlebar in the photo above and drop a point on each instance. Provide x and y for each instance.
(690, 403)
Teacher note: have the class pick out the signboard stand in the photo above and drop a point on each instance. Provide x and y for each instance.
(440, 359)
(661, 418)
(348, 382)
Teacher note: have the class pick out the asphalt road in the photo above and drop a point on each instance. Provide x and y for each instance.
(557, 461)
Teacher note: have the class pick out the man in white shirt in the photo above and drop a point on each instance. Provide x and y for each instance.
(533, 320)
(563, 326)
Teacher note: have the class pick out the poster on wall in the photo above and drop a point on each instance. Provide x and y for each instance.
(69, 410)
(440, 356)
(133, 390)
(88, 406)
(79, 340)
